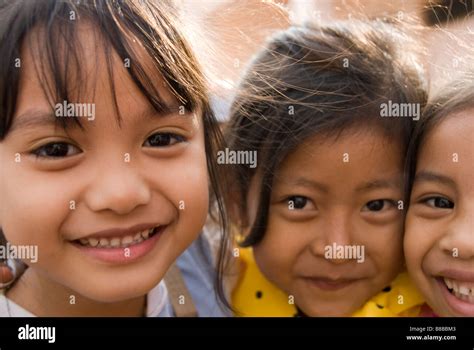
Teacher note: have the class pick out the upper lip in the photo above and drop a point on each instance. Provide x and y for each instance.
(459, 275)
(120, 232)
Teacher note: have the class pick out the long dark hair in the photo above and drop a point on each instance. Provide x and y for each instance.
(320, 80)
(154, 24)
(454, 97)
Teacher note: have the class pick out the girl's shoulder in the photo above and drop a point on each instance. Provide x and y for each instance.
(196, 266)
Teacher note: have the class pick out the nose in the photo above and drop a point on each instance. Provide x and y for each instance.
(458, 240)
(118, 188)
(335, 231)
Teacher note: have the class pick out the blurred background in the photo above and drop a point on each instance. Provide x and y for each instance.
(227, 33)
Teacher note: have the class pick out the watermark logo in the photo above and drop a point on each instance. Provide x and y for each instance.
(37, 333)
(347, 252)
(228, 156)
(79, 110)
(402, 110)
(23, 252)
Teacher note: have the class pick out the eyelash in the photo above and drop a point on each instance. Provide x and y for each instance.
(178, 138)
(42, 149)
(389, 201)
(293, 199)
(434, 198)
(40, 152)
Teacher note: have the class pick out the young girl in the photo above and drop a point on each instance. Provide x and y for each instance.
(439, 239)
(106, 145)
(323, 211)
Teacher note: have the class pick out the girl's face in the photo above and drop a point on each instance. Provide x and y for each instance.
(439, 239)
(334, 236)
(110, 207)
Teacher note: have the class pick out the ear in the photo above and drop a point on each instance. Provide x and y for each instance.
(6, 276)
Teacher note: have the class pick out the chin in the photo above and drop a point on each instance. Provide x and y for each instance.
(113, 292)
(106, 295)
(328, 311)
(115, 286)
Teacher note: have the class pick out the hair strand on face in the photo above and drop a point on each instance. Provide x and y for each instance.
(146, 33)
(321, 80)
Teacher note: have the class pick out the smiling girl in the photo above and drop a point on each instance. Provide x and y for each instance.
(439, 238)
(330, 171)
(110, 200)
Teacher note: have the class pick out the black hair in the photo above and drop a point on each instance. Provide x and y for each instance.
(332, 78)
(454, 97)
(445, 11)
(119, 24)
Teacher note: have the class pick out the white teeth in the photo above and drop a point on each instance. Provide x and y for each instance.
(460, 289)
(145, 234)
(93, 242)
(104, 242)
(467, 298)
(127, 240)
(115, 242)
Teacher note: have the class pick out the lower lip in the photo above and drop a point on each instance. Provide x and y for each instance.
(122, 255)
(327, 285)
(457, 305)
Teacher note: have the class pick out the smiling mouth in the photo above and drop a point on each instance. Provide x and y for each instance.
(460, 289)
(327, 284)
(119, 241)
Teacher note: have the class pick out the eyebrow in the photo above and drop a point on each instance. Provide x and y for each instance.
(430, 176)
(371, 185)
(304, 182)
(33, 118)
(379, 184)
(170, 112)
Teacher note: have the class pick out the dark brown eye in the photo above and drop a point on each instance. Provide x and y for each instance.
(440, 202)
(56, 150)
(376, 205)
(163, 140)
(297, 202)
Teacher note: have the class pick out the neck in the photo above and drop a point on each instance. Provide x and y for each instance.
(44, 297)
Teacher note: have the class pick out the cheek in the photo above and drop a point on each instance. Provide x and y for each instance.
(187, 186)
(384, 248)
(185, 182)
(35, 205)
(417, 242)
(272, 264)
(278, 251)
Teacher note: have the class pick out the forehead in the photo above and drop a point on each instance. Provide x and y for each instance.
(450, 140)
(90, 74)
(368, 151)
